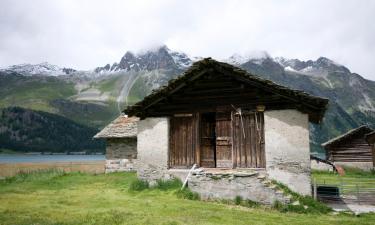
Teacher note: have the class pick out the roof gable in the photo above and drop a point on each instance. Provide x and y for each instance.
(362, 131)
(220, 73)
(121, 127)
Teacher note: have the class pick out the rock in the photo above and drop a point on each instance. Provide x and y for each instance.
(296, 203)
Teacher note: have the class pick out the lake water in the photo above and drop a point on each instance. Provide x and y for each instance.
(4, 158)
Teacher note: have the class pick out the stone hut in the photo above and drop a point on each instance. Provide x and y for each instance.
(240, 130)
(121, 143)
(351, 149)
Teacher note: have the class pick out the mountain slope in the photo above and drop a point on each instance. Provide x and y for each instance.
(28, 130)
(95, 97)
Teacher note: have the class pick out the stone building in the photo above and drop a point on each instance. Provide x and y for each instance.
(352, 149)
(241, 131)
(121, 143)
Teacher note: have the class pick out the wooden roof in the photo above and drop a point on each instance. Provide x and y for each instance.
(314, 106)
(121, 127)
(351, 133)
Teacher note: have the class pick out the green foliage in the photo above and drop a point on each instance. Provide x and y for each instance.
(79, 198)
(306, 203)
(168, 184)
(27, 130)
(238, 200)
(139, 185)
(35, 175)
(186, 193)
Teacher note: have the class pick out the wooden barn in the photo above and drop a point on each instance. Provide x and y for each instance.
(370, 138)
(219, 116)
(352, 149)
(121, 143)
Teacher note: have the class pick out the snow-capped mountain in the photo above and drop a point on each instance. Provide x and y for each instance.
(321, 67)
(95, 97)
(256, 57)
(159, 58)
(44, 68)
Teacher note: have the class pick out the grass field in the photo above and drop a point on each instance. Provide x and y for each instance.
(55, 197)
(11, 169)
(353, 179)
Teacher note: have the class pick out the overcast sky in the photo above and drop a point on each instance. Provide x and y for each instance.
(86, 34)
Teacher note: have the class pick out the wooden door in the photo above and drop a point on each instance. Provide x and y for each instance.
(182, 141)
(248, 140)
(207, 140)
(223, 140)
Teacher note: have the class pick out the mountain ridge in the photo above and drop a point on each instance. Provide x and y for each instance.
(106, 90)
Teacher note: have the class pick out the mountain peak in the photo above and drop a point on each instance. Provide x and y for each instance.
(160, 57)
(255, 56)
(44, 68)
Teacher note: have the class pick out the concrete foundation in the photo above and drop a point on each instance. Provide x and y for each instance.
(249, 185)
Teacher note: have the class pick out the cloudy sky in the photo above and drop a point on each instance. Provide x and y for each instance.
(84, 34)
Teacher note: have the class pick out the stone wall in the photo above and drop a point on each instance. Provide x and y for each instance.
(367, 166)
(287, 149)
(153, 144)
(120, 154)
(250, 185)
(121, 148)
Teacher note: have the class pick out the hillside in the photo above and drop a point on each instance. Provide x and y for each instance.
(93, 98)
(35, 131)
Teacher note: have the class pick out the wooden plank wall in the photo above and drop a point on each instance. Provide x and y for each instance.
(223, 140)
(355, 149)
(182, 142)
(248, 140)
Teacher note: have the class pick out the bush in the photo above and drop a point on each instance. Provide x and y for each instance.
(139, 185)
(306, 203)
(168, 184)
(238, 200)
(186, 193)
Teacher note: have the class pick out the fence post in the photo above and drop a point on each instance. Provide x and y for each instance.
(315, 190)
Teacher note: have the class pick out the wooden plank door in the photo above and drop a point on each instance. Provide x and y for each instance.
(248, 140)
(223, 140)
(207, 140)
(182, 142)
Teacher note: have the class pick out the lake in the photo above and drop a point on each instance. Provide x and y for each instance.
(21, 158)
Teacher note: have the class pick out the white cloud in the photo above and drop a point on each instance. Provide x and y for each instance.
(87, 33)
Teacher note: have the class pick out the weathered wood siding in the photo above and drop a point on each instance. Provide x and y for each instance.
(183, 142)
(221, 139)
(223, 130)
(355, 149)
(248, 140)
(207, 140)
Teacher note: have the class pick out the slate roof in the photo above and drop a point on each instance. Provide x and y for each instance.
(362, 129)
(121, 127)
(315, 106)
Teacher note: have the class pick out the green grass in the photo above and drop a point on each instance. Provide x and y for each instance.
(55, 197)
(352, 179)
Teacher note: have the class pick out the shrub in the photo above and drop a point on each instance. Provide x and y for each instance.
(186, 193)
(238, 200)
(307, 203)
(168, 184)
(139, 185)
(251, 204)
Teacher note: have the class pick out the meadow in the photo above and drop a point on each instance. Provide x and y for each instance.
(58, 197)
